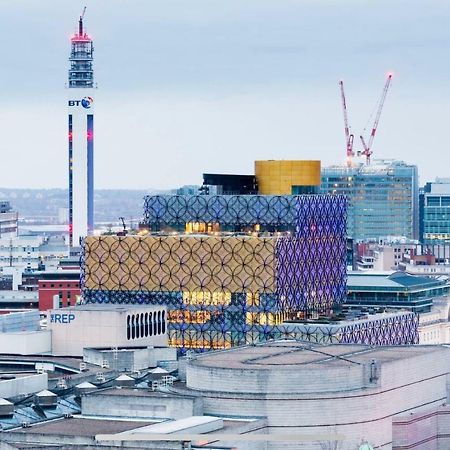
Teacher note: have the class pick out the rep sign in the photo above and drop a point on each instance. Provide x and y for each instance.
(62, 318)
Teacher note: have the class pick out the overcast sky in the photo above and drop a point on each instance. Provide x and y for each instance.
(193, 86)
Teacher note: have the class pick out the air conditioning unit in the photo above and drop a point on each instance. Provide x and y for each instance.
(105, 364)
(62, 384)
(25, 424)
(83, 367)
(100, 376)
(68, 416)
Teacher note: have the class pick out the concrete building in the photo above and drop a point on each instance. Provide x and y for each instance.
(352, 391)
(434, 200)
(281, 394)
(8, 221)
(81, 136)
(76, 328)
(383, 198)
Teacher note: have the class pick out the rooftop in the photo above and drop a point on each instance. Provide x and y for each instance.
(107, 308)
(394, 281)
(291, 355)
(84, 426)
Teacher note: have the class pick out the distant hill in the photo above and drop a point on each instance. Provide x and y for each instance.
(43, 205)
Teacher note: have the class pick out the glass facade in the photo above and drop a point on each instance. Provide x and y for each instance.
(382, 198)
(435, 212)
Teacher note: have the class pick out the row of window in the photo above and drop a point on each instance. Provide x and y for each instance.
(52, 285)
(146, 324)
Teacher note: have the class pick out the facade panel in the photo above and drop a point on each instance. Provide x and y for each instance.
(287, 177)
(226, 289)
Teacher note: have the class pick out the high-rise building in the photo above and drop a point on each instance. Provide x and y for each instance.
(434, 200)
(383, 198)
(81, 136)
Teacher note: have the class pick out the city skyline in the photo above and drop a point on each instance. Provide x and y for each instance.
(213, 86)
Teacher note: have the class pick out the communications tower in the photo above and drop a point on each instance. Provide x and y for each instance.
(81, 136)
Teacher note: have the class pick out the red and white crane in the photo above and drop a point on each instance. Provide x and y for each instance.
(367, 152)
(348, 136)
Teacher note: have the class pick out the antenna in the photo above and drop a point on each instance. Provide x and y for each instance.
(80, 22)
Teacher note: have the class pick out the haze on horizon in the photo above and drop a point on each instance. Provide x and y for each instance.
(187, 87)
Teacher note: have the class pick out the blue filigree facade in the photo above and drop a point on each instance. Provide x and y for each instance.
(236, 212)
(227, 289)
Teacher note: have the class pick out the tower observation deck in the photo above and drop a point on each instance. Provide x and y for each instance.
(81, 72)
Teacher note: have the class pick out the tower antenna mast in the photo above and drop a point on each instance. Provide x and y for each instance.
(80, 22)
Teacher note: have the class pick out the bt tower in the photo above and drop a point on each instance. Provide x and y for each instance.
(81, 136)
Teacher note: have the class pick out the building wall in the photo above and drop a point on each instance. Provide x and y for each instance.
(428, 430)
(23, 385)
(8, 224)
(435, 212)
(76, 328)
(26, 342)
(383, 198)
(192, 264)
(335, 401)
(141, 406)
(68, 292)
(279, 177)
(80, 143)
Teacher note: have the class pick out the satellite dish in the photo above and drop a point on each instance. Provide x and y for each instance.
(366, 446)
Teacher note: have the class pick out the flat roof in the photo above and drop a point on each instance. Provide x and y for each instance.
(85, 426)
(394, 281)
(292, 355)
(106, 307)
(173, 426)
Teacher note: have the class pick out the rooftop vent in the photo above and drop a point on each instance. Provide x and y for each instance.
(46, 399)
(85, 388)
(124, 381)
(6, 408)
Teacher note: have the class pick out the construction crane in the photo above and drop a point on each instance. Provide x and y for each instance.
(124, 232)
(348, 136)
(367, 152)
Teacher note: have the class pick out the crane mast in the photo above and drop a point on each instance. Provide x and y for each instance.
(367, 152)
(349, 137)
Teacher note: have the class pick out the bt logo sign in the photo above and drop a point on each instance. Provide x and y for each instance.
(62, 318)
(85, 102)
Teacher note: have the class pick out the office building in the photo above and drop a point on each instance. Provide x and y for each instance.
(8, 221)
(434, 200)
(383, 198)
(58, 289)
(81, 136)
(225, 288)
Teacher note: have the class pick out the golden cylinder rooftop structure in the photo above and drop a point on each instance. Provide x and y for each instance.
(280, 177)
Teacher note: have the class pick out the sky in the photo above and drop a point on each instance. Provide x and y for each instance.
(193, 86)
